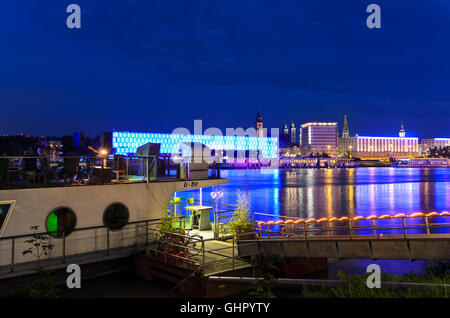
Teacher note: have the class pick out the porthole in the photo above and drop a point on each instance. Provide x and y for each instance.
(61, 221)
(116, 216)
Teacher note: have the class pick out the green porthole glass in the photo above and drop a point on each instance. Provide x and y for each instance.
(61, 221)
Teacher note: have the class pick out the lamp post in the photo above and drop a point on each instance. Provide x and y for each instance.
(103, 155)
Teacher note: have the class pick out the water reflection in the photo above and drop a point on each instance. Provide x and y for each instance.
(313, 193)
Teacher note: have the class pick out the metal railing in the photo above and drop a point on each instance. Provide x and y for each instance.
(66, 240)
(47, 171)
(222, 217)
(187, 251)
(353, 227)
(269, 225)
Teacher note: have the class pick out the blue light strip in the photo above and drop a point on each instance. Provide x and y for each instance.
(128, 142)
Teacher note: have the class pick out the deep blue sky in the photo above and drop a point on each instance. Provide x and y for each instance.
(146, 65)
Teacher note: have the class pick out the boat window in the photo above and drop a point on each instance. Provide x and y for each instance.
(4, 210)
(61, 221)
(116, 216)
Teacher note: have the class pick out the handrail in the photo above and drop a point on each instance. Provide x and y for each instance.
(14, 239)
(371, 217)
(288, 227)
(73, 231)
(202, 251)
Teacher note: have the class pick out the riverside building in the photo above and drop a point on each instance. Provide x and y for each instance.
(431, 143)
(366, 147)
(319, 137)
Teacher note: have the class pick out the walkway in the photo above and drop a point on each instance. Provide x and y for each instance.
(220, 258)
(412, 247)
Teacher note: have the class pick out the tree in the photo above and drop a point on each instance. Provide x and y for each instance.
(43, 286)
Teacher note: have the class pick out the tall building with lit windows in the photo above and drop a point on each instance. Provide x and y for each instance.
(319, 137)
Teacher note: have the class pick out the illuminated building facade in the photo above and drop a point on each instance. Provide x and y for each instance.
(319, 137)
(431, 143)
(379, 147)
(127, 143)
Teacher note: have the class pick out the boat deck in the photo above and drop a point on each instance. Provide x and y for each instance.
(86, 183)
(219, 258)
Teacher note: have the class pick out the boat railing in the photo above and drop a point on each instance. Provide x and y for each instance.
(50, 171)
(191, 252)
(104, 239)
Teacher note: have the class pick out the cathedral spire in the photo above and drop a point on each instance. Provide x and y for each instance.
(345, 131)
(402, 132)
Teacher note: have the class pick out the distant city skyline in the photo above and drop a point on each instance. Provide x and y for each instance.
(156, 66)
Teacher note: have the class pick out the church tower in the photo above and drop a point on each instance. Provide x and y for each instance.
(402, 132)
(285, 130)
(345, 131)
(293, 139)
(259, 125)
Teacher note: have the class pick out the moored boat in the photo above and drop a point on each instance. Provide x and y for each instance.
(422, 163)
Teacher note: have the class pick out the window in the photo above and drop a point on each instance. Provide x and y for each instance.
(61, 221)
(4, 210)
(116, 216)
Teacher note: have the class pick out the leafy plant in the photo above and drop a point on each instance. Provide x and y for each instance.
(39, 246)
(168, 225)
(241, 222)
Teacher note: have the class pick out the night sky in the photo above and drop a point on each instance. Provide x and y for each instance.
(145, 65)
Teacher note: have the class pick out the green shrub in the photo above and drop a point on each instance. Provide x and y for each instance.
(241, 221)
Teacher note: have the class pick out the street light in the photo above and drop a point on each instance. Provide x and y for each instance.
(103, 154)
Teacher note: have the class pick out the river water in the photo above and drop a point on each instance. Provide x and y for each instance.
(310, 193)
(317, 193)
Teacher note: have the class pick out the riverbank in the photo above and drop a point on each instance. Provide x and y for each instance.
(127, 284)
(374, 164)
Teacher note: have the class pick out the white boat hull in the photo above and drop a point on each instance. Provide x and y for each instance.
(31, 207)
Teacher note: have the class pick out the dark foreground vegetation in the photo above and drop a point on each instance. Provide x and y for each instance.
(354, 286)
